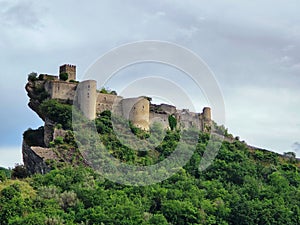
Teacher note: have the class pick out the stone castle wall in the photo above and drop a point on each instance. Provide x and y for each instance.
(106, 102)
(189, 119)
(159, 118)
(138, 110)
(61, 89)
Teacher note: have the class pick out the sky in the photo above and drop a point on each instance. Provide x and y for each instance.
(252, 47)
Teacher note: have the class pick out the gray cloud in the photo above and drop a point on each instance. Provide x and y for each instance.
(296, 147)
(20, 14)
(252, 46)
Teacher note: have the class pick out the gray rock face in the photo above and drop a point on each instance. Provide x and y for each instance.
(35, 158)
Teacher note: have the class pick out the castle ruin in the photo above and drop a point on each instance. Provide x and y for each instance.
(91, 102)
(138, 110)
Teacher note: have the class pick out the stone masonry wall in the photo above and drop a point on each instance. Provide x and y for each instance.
(61, 90)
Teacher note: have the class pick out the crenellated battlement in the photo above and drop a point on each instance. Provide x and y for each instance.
(70, 70)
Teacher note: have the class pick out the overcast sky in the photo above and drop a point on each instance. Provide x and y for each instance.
(253, 48)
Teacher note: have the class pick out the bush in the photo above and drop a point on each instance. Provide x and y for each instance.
(172, 122)
(19, 171)
(107, 91)
(64, 76)
(59, 140)
(2, 176)
(34, 137)
(32, 76)
(58, 112)
(138, 131)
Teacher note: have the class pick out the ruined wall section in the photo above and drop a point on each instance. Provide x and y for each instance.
(160, 113)
(48, 77)
(106, 102)
(188, 119)
(161, 118)
(185, 118)
(61, 90)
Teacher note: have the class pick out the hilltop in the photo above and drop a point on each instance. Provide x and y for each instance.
(52, 98)
(244, 185)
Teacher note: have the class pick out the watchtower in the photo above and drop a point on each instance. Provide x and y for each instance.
(70, 70)
(207, 114)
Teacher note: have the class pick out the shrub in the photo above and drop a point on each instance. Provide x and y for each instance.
(172, 122)
(73, 81)
(58, 112)
(2, 176)
(19, 171)
(64, 76)
(32, 76)
(59, 140)
(34, 137)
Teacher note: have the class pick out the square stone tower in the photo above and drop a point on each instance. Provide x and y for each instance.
(70, 70)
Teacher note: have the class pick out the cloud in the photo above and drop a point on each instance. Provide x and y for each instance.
(296, 147)
(10, 156)
(252, 48)
(20, 14)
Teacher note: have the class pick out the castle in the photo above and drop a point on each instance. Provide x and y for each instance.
(91, 102)
(138, 110)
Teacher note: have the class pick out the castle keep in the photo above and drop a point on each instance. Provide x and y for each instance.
(138, 110)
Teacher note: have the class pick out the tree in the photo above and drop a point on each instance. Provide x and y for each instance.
(2, 176)
(64, 76)
(158, 219)
(19, 171)
(32, 76)
(172, 122)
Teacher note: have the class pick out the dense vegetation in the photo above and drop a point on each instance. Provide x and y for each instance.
(63, 76)
(243, 186)
(58, 112)
(237, 189)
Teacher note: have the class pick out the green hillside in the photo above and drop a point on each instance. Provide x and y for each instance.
(242, 186)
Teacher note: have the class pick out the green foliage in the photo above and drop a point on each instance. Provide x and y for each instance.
(80, 196)
(3, 176)
(73, 81)
(107, 91)
(32, 76)
(138, 131)
(242, 185)
(58, 140)
(5, 173)
(58, 112)
(19, 171)
(172, 122)
(64, 76)
(38, 90)
(34, 137)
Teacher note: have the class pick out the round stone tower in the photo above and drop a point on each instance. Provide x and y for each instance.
(137, 111)
(139, 114)
(86, 96)
(207, 113)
